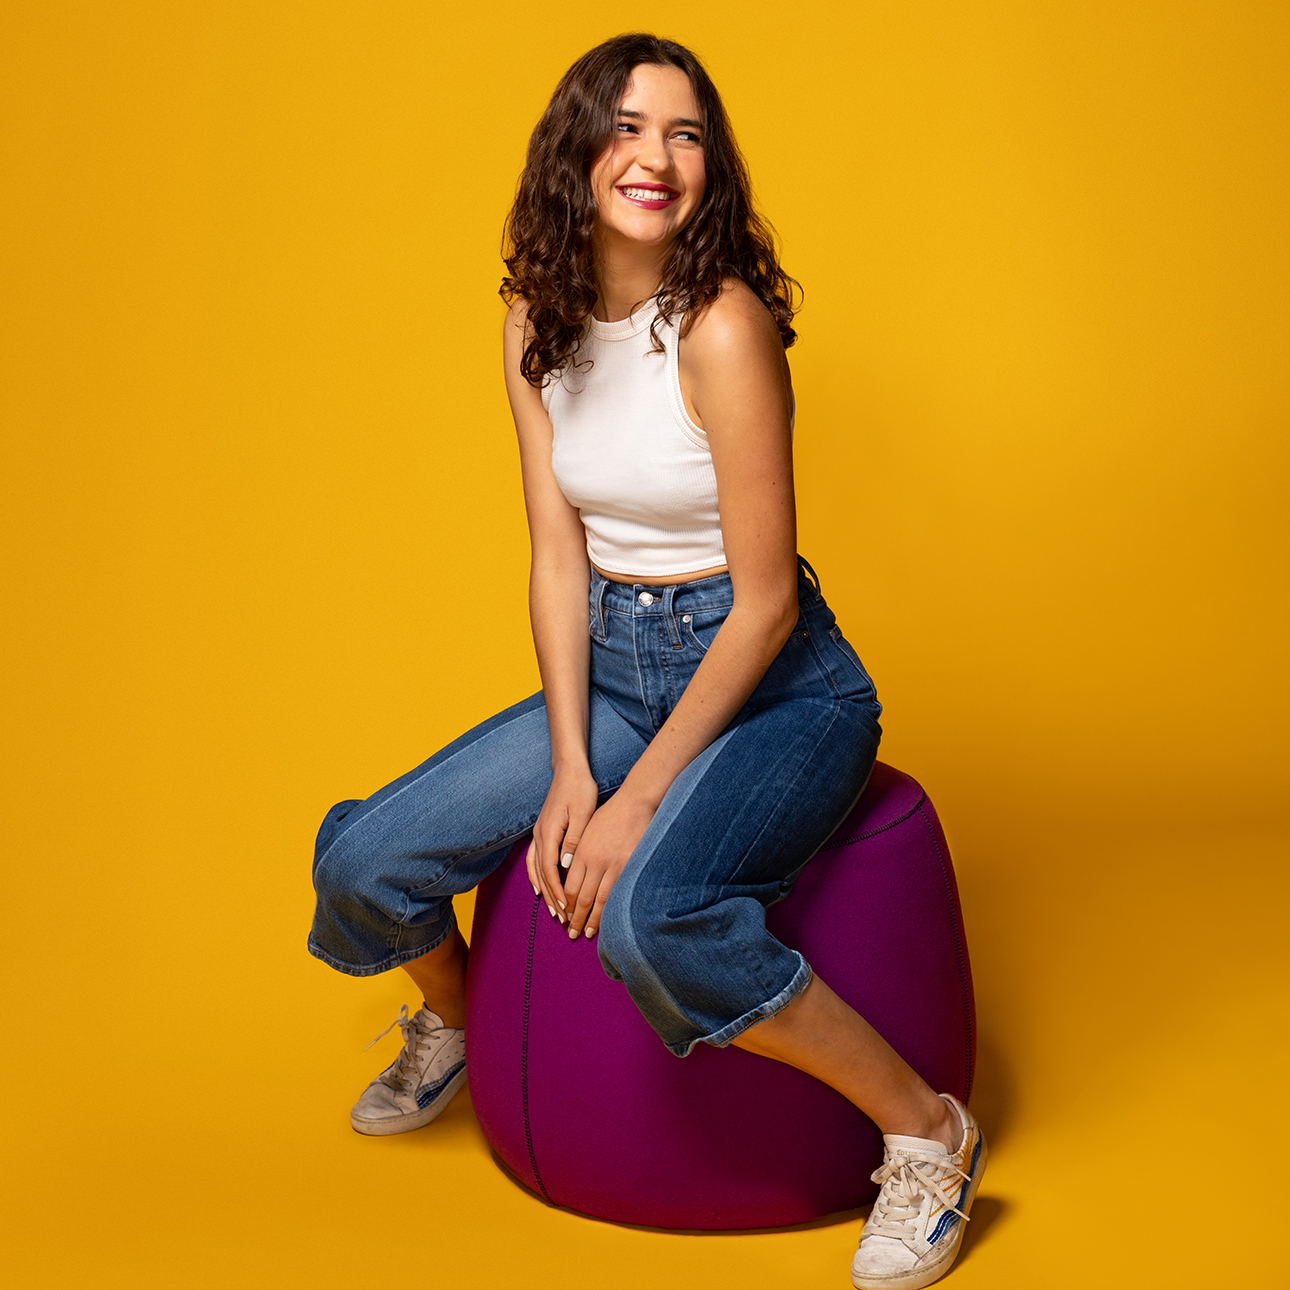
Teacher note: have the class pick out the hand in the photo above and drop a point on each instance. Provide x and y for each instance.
(606, 846)
(570, 803)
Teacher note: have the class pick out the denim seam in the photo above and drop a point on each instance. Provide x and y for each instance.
(689, 609)
(788, 789)
(693, 637)
(843, 646)
(820, 663)
(387, 963)
(644, 960)
(665, 660)
(732, 1030)
(431, 770)
(755, 965)
(669, 617)
(602, 628)
(837, 712)
(640, 677)
(507, 839)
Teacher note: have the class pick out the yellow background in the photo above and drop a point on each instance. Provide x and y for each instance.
(265, 549)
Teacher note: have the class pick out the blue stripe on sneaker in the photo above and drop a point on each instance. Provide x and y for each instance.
(429, 1092)
(943, 1224)
(948, 1217)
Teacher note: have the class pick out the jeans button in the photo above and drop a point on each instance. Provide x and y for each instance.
(645, 598)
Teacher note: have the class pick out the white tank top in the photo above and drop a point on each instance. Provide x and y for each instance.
(629, 458)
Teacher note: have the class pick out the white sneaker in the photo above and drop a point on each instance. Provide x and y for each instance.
(422, 1081)
(913, 1234)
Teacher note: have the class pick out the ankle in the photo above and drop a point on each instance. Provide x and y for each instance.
(935, 1120)
(452, 1015)
(441, 978)
(948, 1128)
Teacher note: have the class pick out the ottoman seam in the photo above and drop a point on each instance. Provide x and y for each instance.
(524, 1053)
(955, 918)
(882, 828)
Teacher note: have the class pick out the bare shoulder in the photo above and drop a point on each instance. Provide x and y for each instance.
(736, 325)
(515, 321)
(514, 335)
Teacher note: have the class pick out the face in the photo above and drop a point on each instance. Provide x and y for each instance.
(649, 181)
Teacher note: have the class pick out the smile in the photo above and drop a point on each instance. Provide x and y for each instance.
(650, 199)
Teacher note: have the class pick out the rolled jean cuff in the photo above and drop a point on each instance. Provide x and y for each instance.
(721, 1038)
(397, 959)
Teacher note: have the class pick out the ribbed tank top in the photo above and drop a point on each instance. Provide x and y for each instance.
(628, 457)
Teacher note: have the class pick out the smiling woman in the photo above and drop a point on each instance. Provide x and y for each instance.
(656, 161)
(703, 726)
(609, 126)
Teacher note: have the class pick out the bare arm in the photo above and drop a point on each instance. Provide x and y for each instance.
(559, 580)
(737, 377)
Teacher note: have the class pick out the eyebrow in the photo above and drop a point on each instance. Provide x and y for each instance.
(678, 120)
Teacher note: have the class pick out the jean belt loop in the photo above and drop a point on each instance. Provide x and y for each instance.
(804, 565)
(599, 587)
(669, 616)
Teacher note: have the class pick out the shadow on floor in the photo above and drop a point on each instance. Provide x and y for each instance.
(986, 1212)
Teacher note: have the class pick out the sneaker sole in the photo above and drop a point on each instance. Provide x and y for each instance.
(916, 1278)
(414, 1119)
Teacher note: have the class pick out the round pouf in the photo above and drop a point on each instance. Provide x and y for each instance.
(583, 1103)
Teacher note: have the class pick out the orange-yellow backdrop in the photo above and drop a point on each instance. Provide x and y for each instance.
(265, 550)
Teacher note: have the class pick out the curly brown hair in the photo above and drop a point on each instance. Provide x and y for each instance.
(551, 263)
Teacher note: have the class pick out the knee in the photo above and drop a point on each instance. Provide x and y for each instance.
(629, 928)
(341, 856)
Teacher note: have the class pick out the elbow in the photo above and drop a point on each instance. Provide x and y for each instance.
(775, 617)
(768, 607)
(785, 619)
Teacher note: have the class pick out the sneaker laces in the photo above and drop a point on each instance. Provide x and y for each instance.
(400, 1075)
(905, 1179)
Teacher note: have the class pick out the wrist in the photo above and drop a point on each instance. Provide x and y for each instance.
(571, 763)
(640, 795)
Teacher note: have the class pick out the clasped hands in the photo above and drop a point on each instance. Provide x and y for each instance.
(578, 850)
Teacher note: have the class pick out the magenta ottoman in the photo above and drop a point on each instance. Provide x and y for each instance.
(582, 1102)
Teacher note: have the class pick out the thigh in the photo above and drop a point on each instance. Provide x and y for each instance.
(481, 792)
(746, 815)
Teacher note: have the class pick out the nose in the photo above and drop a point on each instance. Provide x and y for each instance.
(654, 154)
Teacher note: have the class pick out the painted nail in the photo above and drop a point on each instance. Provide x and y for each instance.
(552, 909)
(536, 892)
(590, 932)
(566, 861)
(561, 903)
(573, 936)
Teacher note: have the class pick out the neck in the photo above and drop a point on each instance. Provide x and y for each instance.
(627, 274)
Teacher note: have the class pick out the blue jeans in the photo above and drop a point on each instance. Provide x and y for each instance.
(685, 925)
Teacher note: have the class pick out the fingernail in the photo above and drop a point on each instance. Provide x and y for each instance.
(566, 861)
(536, 892)
(589, 933)
(561, 903)
(573, 936)
(552, 909)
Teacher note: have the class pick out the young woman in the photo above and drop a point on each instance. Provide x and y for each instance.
(703, 726)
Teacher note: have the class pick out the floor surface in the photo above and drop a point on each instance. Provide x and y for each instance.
(199, 1136)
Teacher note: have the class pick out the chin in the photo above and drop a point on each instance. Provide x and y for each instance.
(648, 236)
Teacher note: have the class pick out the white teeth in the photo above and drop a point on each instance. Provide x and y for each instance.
(647, 194)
